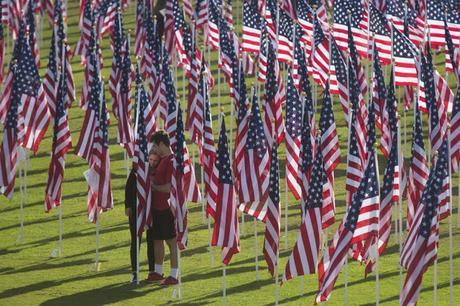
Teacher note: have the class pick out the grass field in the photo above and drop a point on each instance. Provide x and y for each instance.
(29, 275)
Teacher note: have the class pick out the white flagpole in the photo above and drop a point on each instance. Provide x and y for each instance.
(256, 249)
(138, 241)
(224, 285)
(21, 202)
(451, 259)
(399, 207)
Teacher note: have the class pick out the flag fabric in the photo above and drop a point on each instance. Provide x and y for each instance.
(406, 20)
(212, 30)
(455, 134)
(2, 50)
(382, 34)
(357, 137)
(141, 162)
(184, 186)
(188, 8)
(330, 148)
(293, 137)
(167, 88)
(387, 198)
(389, 119)
(421, 246)
(304, 257)
(122, 104)
(350, 12)
(116, 39)
(225, 232)
(201, 13)
(452, 54)
(275, 97)
(339, 78)
(360, 224)
(418, 170)
(379, 94)
(272, 223)
(435, 11)
(404, 55)
(181, 35)
(32, 30)
(252, 27)
(93, 142)
(284, 42)
(357, 67)
(56, 57)
(106, 13)
(140, 35)
(254, 177)
(61, 143)
(320, 55)
(87, 20)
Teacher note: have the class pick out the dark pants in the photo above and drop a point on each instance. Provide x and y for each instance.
(150, 250)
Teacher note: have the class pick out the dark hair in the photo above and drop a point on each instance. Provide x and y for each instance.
(160, 137)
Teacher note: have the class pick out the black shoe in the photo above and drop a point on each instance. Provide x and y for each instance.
(134, 279)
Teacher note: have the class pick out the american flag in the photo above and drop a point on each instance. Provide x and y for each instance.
(167, 88)
(91, 63)
(455, 134)
(300, 69)
(404, 17)
(184, 186)
(188, 8)
(93, 145)
(151, 63)
(87, 20)
(228, 14)
(122, 104)
(305, 19)
(379, 94)
(116, 39)
(141, 164)
(272, 223)
(320, 56)
(61, 142)
(387, 198)
(212, 28)
(254, 177)
(453, 21)
(2, 50)
(195, 106)
(357, 20)
(421, 246)
(389, 119)
(252, 27)
(293, 137)
(330, 148)
(201, 13)
(381, 34)
(269, 8)
(404, 55)
(207, 151)
(358, 68)
(140, 34)
(285, 44)
(168, 27)
(418, 170)
(32, 30)
(304, 257)
(338, 77)
(437, 111)
(275, 97)
(106, 13)
(181, 34)
(435, 11)
(58, 45)
(452, 54)
(225, 232)
(357, 137)
(359, 224)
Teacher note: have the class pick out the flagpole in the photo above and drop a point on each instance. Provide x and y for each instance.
(137, 202)
(451, 259)
(21, 197)
(224, 285)
(255, 248)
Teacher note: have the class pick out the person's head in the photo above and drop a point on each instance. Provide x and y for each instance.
(160, 142)
(154, 159)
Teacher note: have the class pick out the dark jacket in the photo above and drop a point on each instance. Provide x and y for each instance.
(130, 190)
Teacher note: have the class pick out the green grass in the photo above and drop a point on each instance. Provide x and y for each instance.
(29, 276)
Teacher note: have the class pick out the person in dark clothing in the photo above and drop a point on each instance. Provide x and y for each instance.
(130, 212)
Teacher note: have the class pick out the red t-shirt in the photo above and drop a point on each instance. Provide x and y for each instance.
(162, 176)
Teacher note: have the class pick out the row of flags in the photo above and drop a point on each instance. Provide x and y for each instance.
(280, 34)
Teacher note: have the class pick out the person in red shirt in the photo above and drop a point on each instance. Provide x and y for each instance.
(163, 220)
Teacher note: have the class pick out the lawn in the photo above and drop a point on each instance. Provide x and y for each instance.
(30, 275)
